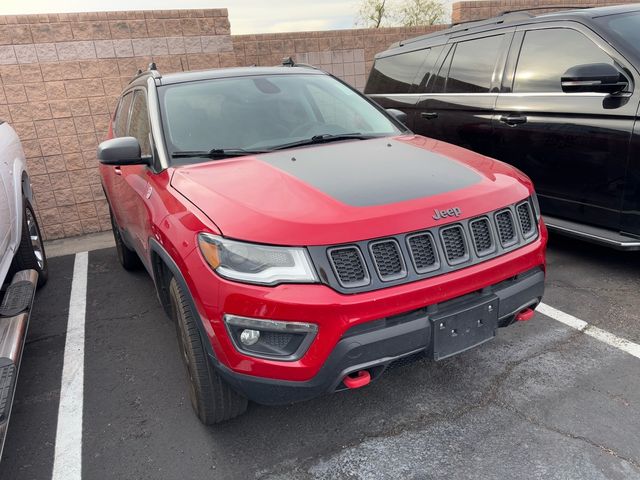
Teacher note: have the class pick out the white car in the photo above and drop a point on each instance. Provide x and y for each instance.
(23, 265)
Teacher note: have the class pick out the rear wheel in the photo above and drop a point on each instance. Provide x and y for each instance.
(212, 398)
(30, 254)
(127, 257)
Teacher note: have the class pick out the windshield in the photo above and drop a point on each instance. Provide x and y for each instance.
(625, 27)
(264, 112)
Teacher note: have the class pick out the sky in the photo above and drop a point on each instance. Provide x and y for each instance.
(246, 16)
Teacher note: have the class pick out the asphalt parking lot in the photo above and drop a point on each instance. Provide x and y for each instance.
(542, 400)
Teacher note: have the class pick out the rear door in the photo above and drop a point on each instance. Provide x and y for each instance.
(459, 106)
(574, 146)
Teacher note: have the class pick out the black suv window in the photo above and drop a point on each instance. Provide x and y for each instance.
(546, 54)
(122, 115)
(139, 124)
(473, 64)
(397, 73)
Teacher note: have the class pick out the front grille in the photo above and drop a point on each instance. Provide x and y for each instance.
(367, 265)
(482, 238)
(388, 260)
(455, 247)
(526, 221)
(423, 252)
(349, 267)
(506, 231)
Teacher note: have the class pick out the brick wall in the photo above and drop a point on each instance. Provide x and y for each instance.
(60, 76)
(481, 9)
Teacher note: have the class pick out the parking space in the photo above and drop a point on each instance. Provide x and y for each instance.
(542, 400)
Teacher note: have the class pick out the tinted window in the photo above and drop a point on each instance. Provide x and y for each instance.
(546, 54)
(395, 74)
(139, 124)
(426, 72)
(625, 27)
(439, 80)
(122, 116)
(473, 64)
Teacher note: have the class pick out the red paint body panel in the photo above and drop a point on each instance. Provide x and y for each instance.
(251, 200)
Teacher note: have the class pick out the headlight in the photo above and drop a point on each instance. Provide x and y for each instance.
(252, 263)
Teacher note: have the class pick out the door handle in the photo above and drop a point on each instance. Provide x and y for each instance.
(513, 119)
(429, 115)
(117, 170)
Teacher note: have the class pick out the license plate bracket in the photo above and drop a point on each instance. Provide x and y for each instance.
(463, 328)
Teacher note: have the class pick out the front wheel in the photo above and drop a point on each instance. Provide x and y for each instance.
(30, 254)
(212, 398)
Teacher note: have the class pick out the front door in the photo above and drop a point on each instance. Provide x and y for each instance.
(573, 146)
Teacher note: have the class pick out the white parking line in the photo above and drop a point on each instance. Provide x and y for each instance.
(67, 463)
(595, 332)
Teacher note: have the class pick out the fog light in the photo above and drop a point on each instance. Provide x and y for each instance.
(249, 337)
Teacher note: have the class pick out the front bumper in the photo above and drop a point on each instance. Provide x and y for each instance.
(376, 345)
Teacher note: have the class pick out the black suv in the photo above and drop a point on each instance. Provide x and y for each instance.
(556, 95)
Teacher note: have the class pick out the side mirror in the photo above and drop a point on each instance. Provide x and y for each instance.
(121, 151)
(398, 115)
(594, 77)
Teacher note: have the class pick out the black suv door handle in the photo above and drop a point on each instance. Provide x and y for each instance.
(429, 115)
(513, 119)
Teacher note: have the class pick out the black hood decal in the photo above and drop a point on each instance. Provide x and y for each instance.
(365, 173)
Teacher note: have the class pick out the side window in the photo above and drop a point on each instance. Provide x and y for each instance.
(122, 115)
(473, 64)
(397, 73)
(427, 70)
(546, 54)
(139, 124)
(440, 79)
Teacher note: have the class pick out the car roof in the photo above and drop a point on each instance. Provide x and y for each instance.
(194, 76)
(511, 19)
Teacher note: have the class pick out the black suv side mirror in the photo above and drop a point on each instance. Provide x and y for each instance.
(594, 77)
(122, 151)
(398, 115)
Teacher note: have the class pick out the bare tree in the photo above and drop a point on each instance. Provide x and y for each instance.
(372, 13)
(411, 13)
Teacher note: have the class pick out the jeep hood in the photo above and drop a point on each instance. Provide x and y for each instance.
(347, 191)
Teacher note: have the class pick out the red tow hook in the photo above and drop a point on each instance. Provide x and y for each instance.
(361, 378)
(525, 315)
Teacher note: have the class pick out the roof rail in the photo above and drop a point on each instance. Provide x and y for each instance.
(469, 25)
(151, 70)
(290, 62)
(547, 7)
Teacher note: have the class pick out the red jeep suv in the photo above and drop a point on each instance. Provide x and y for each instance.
(303, 239)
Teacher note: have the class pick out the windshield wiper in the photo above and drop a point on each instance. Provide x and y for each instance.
(324, 138)
(216, 153)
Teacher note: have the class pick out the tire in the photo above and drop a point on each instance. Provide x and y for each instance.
(128, 258)
(213, 399)
(31, 254)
